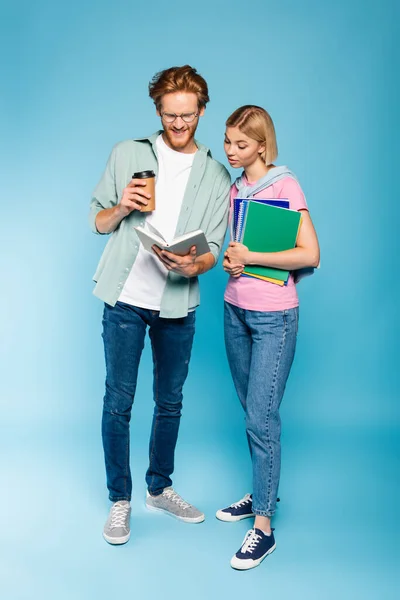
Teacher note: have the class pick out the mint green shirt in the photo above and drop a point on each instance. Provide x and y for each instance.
(205, 206)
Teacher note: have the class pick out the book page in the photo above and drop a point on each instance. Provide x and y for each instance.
(152, 229)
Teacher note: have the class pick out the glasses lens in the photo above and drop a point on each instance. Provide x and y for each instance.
(168, 117)
(189, 117)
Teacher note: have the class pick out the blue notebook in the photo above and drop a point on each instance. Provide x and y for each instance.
(236, 236)
(268, 229)
(237, 202)
(239, 212)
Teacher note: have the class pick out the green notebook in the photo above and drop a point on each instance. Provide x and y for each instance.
(269, 229)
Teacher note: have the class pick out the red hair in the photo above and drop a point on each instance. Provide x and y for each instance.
(178, 79)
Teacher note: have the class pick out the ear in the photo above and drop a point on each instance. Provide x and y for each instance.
(202, 111)
(261, 149)
(158, 113)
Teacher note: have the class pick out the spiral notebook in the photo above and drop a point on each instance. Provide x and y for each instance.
(265, 228)
(237, 202)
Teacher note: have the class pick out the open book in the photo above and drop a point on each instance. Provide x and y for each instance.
(180, 245)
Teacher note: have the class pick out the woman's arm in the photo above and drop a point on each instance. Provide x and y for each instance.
(306, 253)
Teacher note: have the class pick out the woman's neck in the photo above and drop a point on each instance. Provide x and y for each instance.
(257, 170)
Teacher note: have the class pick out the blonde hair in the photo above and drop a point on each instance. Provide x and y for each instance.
(256, 123)
(178, 79)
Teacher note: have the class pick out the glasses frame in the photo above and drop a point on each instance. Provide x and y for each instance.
(195, 115)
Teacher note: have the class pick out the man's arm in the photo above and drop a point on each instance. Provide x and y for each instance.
(105, 211)
(216, 230)
(133, 198)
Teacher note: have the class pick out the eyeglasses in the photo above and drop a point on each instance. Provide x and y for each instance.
(187, 117)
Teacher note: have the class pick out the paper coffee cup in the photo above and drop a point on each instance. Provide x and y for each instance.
(150, 188)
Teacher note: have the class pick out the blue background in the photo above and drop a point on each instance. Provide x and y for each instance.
(75, 81)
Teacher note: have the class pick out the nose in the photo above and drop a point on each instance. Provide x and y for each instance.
(179, 122)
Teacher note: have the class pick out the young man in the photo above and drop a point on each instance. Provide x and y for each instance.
(159, 290)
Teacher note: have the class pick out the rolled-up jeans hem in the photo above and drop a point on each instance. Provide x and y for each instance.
(119, 498)
(263, 513)
(153, 494)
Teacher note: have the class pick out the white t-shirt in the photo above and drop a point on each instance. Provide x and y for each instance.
(146, 281)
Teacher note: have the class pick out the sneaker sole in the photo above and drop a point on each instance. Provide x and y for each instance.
(184, 519)
(116, 541)
(254, 563)
(221, 516)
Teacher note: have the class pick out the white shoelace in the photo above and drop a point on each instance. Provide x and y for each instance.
(119, 513)
(174, 497)
(250, 541)
(245, 500)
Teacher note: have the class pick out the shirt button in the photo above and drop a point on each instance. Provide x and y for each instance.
(126, 269)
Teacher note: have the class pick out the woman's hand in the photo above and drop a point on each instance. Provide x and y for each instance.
(238, 253)
(234, 270)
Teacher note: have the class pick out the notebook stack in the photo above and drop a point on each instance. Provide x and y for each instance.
(265, 226)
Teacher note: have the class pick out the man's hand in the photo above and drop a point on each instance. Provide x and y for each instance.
(134, 197)
(183, 265)
(234, 270)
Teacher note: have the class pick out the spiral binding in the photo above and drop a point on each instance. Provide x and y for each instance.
(240, 221)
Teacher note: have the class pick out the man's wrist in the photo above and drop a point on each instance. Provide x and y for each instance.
(195, 270)
(203, 264)
(120, 212)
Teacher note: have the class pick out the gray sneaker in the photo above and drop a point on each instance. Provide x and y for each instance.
(117, 529)
(171, 503)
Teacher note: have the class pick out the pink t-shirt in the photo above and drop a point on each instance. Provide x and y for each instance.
(254, 294)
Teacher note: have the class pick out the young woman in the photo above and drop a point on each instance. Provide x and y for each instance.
(261, 320)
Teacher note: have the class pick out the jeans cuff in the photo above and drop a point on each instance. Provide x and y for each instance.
(119, 498)
(263, 513)
(155, 494)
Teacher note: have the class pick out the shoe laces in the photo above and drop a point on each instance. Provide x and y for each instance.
(174, 497)
(245, 500)
(250, 541)
(119, 513)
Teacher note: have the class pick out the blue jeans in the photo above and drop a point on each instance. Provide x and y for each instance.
(260, 347)
(124, 330)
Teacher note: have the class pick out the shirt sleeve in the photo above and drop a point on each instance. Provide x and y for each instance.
(216, 232)
(232, 195)
(292, 191)
(105, 193)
